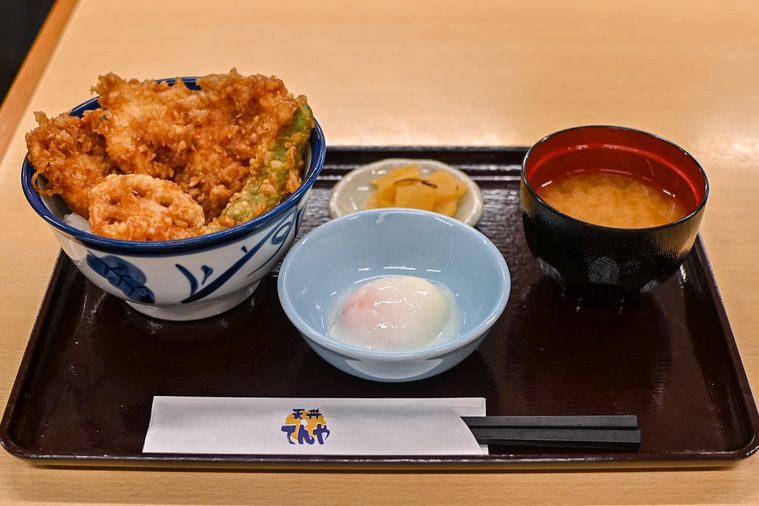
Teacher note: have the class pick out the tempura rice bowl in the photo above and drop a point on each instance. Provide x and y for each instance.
(186, 279)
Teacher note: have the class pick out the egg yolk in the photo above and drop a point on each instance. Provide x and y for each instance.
(397, 313)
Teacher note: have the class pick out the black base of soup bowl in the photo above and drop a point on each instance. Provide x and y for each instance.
(601, 267)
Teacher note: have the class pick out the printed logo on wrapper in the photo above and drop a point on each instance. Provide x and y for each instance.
(305, 427)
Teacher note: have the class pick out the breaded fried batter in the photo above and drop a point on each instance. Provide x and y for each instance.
(70, 156)
(233, 136)
(145, 124)
(139, 207)
(279, 175)
(208, 141)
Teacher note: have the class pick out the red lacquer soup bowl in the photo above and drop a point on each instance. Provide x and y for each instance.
(606, 265)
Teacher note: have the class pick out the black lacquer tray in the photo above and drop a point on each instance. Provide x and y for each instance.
(85, 386)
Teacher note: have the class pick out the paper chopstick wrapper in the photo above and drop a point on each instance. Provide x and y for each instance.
(312, 426)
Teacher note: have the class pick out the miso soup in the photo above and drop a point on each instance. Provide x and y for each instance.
(612, 199)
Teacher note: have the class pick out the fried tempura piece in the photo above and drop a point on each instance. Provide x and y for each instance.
(207, 141)
(70, 156)
(258, 107)
(144, 124)
(279, 176)
(235, 143)
(138, 207)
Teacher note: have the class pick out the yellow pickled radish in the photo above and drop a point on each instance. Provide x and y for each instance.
(405, 187)
(417, 196)
(447, 185)
(389, 179)
(446, 207)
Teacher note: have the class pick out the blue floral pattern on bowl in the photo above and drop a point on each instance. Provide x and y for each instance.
(124, 275)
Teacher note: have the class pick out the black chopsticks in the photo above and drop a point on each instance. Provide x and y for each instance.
(594, 431)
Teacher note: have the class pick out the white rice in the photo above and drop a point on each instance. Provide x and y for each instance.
(77, 221)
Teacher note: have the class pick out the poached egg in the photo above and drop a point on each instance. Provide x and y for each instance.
(396, 313)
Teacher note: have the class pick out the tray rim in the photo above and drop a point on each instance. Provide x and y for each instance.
(383, 463)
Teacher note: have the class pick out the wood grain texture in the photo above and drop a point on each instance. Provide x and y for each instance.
(28, 76)
(448, 72)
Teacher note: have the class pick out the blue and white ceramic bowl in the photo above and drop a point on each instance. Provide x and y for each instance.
(334, 258)
(187, 279)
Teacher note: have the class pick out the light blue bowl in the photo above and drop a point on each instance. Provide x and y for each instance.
(326, 264)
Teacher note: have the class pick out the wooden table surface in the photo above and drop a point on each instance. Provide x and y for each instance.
(399, 72)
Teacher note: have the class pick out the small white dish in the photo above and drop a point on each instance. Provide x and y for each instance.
(350, 194)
